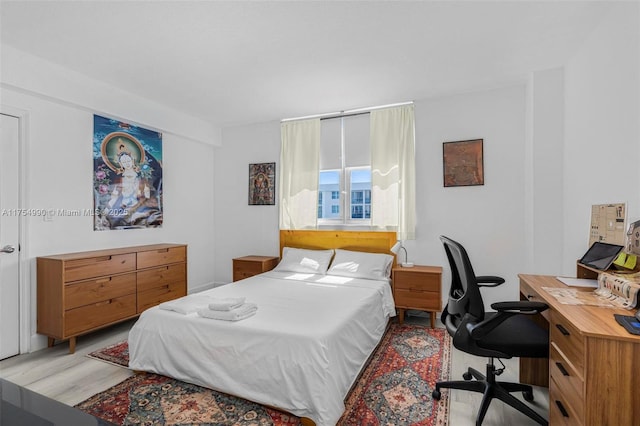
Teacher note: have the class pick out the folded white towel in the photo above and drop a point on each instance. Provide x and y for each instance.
(187, 304)
(237, 314)
(226, 304)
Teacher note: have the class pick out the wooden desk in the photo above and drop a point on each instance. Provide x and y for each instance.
(593, 371)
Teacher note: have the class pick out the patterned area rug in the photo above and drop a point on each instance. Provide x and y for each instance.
(393, 389)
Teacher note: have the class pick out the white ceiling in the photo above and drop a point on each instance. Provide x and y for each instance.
(241, 62)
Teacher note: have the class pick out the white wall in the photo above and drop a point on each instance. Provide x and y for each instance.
(562, 141)
(488, 219)
(544, 174)
(58, 170)
(242, 229)
(602, 126)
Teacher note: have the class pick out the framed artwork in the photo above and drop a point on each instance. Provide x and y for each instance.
(262, 184)
(463, 163)
(127, 176)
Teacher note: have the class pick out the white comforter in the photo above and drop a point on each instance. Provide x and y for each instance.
(300, 352)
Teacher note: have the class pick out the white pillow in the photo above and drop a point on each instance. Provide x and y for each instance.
(358, 264)
(304, 261)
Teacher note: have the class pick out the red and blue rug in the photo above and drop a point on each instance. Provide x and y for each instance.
(393, 389)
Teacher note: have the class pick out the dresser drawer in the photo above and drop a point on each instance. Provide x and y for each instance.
(561, 413)
(81, 293)
(416, 281)
(99, 314)
(569, 382)
(151, 258)
(91, 267)
(427, 300)
(159, 294)
(160, 277)
(568, 340)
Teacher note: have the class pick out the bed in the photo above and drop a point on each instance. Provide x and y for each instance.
(303, 348)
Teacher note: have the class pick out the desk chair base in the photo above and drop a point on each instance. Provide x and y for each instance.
(490, 389)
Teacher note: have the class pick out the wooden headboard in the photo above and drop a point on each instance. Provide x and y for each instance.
(369, 241)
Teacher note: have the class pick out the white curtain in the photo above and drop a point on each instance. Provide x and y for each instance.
(299, 174)
(393, 170)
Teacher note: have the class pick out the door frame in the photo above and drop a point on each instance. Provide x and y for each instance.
(24, 272)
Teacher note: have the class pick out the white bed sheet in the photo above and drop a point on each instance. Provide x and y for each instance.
(300, 352)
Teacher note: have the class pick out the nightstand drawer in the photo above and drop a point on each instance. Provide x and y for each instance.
(428, 300)
(416, 280)
(248, 266)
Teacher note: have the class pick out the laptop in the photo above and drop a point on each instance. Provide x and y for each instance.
(601, 255)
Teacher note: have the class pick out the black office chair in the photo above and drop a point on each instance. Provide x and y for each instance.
(505, 333)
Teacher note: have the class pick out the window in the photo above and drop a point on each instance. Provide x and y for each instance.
(345, 171)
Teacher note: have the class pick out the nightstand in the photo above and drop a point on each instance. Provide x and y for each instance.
(418, 287)
(248, 266)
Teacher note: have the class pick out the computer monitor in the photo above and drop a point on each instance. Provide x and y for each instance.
(601, 255)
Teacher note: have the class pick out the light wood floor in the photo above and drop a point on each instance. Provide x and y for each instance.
(71, 379)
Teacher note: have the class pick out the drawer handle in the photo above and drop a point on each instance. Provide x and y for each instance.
(563, 330)
(103, 259)
(103, 280)
(106, 302)
(562, 409)
(163, 250)
(562, 369)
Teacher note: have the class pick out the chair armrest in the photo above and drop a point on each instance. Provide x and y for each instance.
(520, 307)
(504, 310)
(489, 281)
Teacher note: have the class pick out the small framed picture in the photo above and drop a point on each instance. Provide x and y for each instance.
(463, 163)
(262, 184)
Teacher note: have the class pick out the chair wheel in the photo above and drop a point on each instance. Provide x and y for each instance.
(528, 395)
(436, 394)
(467, 376)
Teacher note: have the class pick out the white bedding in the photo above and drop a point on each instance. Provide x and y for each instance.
(300, 352)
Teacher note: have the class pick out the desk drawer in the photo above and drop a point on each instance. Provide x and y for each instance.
(569, 382)
(82, 293)
(148, 259)
(561, 413)
(91, 267)
(568, 340)
(427, 300)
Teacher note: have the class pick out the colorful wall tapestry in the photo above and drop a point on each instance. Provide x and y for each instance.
(127, 178)
(262, 183)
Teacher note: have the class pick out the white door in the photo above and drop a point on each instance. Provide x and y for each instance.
(9, 219)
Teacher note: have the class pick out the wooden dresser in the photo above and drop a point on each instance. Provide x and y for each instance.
(248, 266)
(82, 292)
(418, 287)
